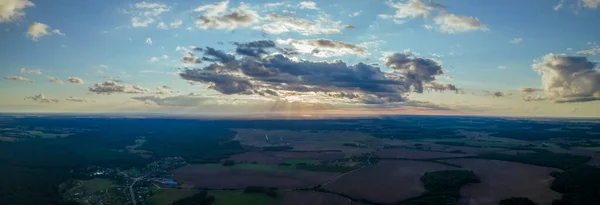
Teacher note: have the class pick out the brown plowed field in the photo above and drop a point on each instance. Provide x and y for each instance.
(387, 182)
(415, 154)
(219, 178)
(501, 180)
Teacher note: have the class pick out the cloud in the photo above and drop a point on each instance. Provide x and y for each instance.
(355, 14)
(57, 31)
(55, 80)
(214, 9)
(13, 9)
(450, 23)
(590, 52)
(75, 80)
(501, 67)
(495, 93)
(278, 24)
(254, 49)
(162, 25)
(41, 99)
(530, 90)
(275, 75)
(214, 16)
(413, 8)
(308, 5)
(157, 58)
(559, 6)
(139, 22)
(323, 48)
(36, 30)
(18, 78)
(110, 87)
(446, 22)
(568, 78)
(273, 5)
(417, 71)
(590, 4)
(74, 99)
(534, 98)
(144, 13)
(385, 16)
(516, 40)
(162, 90)
(190, 59)
(176, 24)
(149, 41)
(31, 71)
(593, 4)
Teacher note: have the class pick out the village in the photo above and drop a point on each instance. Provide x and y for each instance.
(115, 186)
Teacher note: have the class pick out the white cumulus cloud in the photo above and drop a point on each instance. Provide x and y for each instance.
(13, 9)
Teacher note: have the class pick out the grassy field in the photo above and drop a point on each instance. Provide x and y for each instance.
(238, 197)
(168, 196)
(97, 184)
(592, 148)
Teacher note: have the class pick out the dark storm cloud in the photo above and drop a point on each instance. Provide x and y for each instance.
(255, 48)
(222, 82)
(213, 55)
(191, 59)
(443, 87)
(416, 70)
(530, 90)
(257, 72)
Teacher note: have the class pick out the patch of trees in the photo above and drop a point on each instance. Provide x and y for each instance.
(228, 163)
(579, 186)
(271, 192)
(198, 199)
(541, 158)
(443, 187)
(517, 201)
(31, 171)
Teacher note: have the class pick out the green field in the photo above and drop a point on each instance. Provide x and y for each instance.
(97, 184)
(239, 198)
(168, 196)
(592, 148)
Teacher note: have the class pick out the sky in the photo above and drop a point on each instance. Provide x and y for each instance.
(535, 58)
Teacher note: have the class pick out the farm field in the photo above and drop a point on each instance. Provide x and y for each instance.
(219, 178)
(168, 195)
(387, 182)
(94, 185)
(313, 198)
(239, 197)
(501, 180)
(415, 154)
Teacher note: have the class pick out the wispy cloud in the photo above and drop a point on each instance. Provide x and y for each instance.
(31, 71)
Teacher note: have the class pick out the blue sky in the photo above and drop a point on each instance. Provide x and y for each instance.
(511, 58)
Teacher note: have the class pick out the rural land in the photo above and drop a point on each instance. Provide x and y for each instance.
(392, 160)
